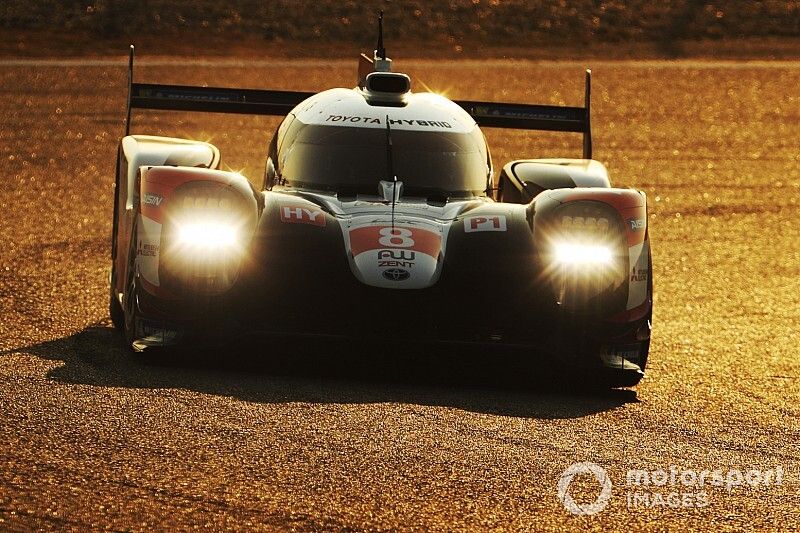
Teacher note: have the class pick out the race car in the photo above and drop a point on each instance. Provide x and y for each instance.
(379, 215)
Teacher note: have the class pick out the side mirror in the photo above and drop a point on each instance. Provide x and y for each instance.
(269, 175)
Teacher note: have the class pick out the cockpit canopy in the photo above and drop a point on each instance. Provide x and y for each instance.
(347, 152)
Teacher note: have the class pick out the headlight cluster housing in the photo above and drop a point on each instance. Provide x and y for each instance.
(583, 251)
(207, 229)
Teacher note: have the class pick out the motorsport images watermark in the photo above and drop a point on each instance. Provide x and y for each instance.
(663, 487)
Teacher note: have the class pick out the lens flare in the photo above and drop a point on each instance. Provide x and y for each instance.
(582, 254)
(208, 235)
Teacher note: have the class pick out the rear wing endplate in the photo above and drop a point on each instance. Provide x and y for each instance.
(280, 103)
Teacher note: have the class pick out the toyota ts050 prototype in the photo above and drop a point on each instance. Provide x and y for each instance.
(380, 202)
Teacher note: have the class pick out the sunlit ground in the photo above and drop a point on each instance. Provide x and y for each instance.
(714, 147)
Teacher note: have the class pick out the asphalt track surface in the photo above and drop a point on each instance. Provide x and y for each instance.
(361, 438)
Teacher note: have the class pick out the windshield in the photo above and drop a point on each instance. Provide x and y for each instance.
(353, 160)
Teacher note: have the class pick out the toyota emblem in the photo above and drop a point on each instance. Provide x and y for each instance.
(396, 274)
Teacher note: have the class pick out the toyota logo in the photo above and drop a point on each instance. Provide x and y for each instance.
(396, 274)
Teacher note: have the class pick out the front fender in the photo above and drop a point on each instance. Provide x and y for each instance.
(595, 218)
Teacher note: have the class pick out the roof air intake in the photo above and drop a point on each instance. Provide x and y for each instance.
(388, 82)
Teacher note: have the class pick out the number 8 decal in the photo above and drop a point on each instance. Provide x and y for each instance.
(396, 237)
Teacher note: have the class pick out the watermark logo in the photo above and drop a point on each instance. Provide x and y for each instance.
(673, 486)
(602, 478)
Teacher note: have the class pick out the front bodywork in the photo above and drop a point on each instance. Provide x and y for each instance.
(471, 271)
(377, 218)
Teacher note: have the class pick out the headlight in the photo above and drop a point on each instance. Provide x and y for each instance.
(207, 236)
(581, 271)
(582, 254)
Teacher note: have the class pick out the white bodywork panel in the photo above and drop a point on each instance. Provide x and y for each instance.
(345, 107)
(583, 172)
(149, 150)
(148, 249)
(638, 276)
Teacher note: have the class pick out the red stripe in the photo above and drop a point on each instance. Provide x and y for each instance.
(399, 238)
(619, 199)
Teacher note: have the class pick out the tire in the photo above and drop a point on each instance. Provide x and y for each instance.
(131, 328)
(650, 291)
(130, 300)
(115, 309)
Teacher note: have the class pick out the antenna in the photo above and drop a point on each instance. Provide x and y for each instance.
(380, 51)
(381, 63)
(390, 166)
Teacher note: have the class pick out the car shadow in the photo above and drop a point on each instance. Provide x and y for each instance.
(316, 372)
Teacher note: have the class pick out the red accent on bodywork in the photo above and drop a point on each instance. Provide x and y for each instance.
(619, 199)
(368, 238)
(302, 214)
(632, 315)
(631, 206)
(162, 181)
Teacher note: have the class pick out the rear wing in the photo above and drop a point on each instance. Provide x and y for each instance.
(537, 117)
(280, 103)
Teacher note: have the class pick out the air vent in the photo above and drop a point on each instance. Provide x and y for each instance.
(388, 82)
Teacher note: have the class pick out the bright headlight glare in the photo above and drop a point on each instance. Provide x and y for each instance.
(208, 235)
(582, 254)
